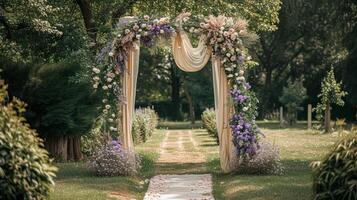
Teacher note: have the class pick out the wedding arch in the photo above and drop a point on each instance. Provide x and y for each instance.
(221, 39)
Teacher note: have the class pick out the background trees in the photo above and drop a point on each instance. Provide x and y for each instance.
(297, 38)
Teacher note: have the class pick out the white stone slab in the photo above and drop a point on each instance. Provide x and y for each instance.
(180, 187)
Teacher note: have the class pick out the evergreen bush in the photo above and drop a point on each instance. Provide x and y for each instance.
(336, 176)
(26, 171)
(144, 124)
(209, 123)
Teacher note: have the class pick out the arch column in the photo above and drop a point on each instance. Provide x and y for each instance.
(129, 92)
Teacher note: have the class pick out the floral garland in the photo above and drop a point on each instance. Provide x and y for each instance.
(228, 38)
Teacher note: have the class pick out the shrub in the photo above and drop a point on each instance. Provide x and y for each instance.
(209, 122)
(336, 176)
(144, 124)
(112, 160)
(266, 161)
(26, 171)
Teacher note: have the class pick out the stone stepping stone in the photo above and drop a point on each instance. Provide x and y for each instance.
(180, 187)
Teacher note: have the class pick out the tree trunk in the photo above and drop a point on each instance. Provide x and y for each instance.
(175, 94)
(77, 148)
(57, 146)
(87, 15)
(191, 106)
(328, 118)
(70, 155)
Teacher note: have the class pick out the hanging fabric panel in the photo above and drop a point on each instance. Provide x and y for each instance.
(224, 109)
(187, 57)
(129, 92)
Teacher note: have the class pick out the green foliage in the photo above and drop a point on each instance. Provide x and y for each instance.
(58, 104)
(26, 171)
(144, 124)
(335, 177)
(95, 139)
(331, 93)
(209, 123)
(292, 97)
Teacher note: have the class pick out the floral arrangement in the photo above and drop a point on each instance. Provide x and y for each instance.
(113, 160)
(228, 39)
(111, 60)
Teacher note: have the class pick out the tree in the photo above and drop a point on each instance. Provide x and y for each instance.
(331, 93)
(292, 97)
(61, 107)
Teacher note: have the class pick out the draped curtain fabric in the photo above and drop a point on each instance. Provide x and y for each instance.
(189, 59)
(129, 92)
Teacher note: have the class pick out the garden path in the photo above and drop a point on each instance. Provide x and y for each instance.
(177, 148)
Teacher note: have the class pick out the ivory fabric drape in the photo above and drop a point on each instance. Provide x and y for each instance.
(187, 57)
(224, 109)
(129, 91)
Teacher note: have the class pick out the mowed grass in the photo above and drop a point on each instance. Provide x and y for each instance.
(75, 181)
(298, 148)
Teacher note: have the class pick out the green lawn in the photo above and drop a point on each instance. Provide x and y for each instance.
(298, 148)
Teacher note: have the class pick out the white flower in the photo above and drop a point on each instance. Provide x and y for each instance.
(249, 58)
(136, 27)
(230, 21)
(233, 58)
(127, 31)
(241, 72)
(107, 106)
(228, 69)
(105, 111)
(245, 109)
(143, 25)
(119, 35)
(113, 115)
(95, 86)
(155, 21)
(230, 76)
(146, 17)
(109, 80)
(234, 66)
(109, 86)
(110, 120)
(111, 54)
(240, 78)
(111, 128)
(96, 78)
(138, 36)
(105, 100)
(192, 29)
(225, 33)
(237, 50)
(96, 70)
(162, 31)
(149, 26)
(222, 28)
(228, 54)
(105, 87)
(224, 49)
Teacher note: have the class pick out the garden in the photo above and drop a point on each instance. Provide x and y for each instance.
(132, 99)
